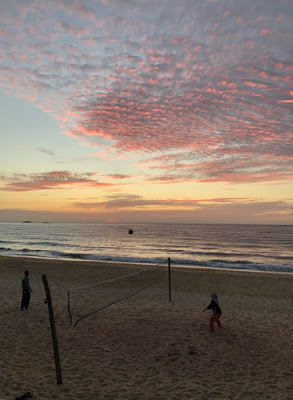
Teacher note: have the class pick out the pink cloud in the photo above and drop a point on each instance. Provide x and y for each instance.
(225, 166)
(135, 201)
(50, 180)
(131, 207)
(118, 176)
(147, 80)
(278, 212)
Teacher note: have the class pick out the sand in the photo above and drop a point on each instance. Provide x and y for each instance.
(145, 347)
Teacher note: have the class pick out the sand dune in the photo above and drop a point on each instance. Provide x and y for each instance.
(145, 347)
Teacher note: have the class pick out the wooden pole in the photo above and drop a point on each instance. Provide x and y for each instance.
(68, 307)
(53, 330)
(169, 274)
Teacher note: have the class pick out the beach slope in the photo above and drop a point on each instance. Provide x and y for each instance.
(144, 347)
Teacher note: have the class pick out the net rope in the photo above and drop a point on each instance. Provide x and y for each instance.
(78, 303)
(87, 300)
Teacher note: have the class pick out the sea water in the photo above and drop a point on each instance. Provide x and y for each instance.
(249, 247)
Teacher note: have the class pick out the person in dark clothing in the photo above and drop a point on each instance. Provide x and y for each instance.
(26, 291)
(217, 312)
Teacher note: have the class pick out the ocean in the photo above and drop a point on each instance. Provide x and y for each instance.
(245, 247)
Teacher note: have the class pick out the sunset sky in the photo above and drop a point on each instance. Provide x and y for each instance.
(146, 111)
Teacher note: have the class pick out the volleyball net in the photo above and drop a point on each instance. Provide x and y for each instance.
(79, 302)
(84, 301)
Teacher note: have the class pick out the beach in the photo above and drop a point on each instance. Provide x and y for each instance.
(146, 347)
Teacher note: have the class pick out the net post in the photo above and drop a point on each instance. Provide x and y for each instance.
(68, 307)
(53, 329)
(169, 278)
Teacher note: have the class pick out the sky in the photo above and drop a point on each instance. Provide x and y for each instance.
(146, 111)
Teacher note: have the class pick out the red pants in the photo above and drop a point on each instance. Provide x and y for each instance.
(215, 318)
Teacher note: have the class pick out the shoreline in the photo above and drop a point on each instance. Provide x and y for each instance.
(179, 266)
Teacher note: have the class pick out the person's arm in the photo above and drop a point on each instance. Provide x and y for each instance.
(208, 307)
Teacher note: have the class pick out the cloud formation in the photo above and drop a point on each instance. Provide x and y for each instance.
(131, 201)
(224, 166)
(222, 210)
(49, 180)
(46, 151)
(208, 84)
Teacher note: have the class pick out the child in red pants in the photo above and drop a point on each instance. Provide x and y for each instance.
(217, 312)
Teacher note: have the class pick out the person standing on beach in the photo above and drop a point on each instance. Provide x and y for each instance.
(217, 312)
(26, 291)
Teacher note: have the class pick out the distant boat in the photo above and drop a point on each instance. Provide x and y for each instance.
(26, 222)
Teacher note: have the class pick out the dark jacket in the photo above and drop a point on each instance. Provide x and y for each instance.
(215, 307)
(26, 283)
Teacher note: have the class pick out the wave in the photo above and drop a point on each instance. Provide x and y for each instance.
(53, 244)
(226, 254)
(25, 250)
(5, 249)
(9, 242)
(180, 262)
(239, 265)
